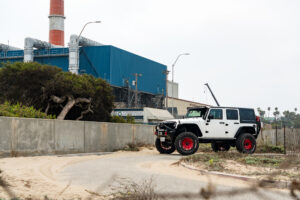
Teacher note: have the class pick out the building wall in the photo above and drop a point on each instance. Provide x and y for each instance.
(182, 105)
(172, 86)
(107, 62)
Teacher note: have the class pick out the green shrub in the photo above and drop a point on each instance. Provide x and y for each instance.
(118, 119)
(18, 110)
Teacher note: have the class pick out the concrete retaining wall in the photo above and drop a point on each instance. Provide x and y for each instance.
(20, 136)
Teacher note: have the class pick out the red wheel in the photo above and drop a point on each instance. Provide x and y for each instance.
(187, 143)
(248, 144)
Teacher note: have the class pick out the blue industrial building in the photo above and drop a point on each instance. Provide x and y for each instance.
(115, 65)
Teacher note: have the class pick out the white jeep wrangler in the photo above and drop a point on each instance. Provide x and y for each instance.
(223, 127)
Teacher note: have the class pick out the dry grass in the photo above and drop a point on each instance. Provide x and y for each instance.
(136, 147)
(146, 191)
(281, 167)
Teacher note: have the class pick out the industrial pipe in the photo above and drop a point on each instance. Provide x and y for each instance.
(74, 44)
(31, 43)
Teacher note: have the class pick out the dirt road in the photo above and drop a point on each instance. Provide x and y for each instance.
(86, 176)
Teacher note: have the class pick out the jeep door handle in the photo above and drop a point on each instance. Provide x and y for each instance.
(236, 123)
(222, 122)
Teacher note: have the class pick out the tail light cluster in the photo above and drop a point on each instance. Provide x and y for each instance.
(257, 118)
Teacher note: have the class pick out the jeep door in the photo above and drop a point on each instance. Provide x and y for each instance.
(232, 123)
(215, 125)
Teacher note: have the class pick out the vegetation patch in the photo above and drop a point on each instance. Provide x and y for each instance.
(269, 149)
(261, 161)
(19, 110)
(281, 167)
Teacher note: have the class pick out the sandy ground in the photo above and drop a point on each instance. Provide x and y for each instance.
(37, 177)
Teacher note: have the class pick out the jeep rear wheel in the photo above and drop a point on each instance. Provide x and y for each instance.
(186, 143)
(246, 143)
(220, 146)
(164, 147)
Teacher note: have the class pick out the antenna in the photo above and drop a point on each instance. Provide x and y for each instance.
(212, 94)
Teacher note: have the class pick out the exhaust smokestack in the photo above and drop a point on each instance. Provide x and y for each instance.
(57, 23)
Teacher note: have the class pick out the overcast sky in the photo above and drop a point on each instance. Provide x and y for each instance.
(247, 50)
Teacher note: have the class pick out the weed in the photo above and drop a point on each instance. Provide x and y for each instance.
(261, 161)
(269, 149)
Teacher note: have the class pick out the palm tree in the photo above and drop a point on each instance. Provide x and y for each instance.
(269, 109)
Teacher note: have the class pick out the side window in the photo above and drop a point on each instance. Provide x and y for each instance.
(216, 114)
(247, 116)
(232, 114)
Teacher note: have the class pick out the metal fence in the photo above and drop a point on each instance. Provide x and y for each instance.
(286, 137)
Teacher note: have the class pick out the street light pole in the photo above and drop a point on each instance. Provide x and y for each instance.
(166, 72)
(77, 40)
(183, 54)
(94, 22)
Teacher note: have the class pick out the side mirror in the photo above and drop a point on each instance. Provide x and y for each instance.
(210, 117)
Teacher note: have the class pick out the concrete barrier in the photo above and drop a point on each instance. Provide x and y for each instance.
(20, 136)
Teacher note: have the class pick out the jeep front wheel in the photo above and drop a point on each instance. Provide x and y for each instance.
(186, 143)
(164, 147)
(246, 143)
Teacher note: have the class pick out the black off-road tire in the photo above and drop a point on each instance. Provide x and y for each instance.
(187, 143)
(216, 147)
(163, 147)
(246, 143)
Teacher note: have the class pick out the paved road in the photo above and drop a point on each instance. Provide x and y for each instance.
(138, 167)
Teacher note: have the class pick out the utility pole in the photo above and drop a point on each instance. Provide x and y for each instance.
(128, 93)
(136, 88)
(166, 72)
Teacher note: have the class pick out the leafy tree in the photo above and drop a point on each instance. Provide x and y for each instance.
(59, 93)
(261, 112)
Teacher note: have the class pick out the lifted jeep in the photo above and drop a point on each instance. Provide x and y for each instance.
(223, 127)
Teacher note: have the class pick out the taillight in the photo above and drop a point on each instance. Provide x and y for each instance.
(257, 118)
(155, 133)
(166, 133)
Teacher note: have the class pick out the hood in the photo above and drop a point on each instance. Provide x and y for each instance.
(184, 121)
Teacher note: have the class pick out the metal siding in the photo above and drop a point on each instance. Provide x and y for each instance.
(11, 54)
(58, 61)
(108, 62)
(95, 58)
(124, 64)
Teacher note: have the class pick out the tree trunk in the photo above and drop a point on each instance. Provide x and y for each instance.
(70, 104)
(67, 108)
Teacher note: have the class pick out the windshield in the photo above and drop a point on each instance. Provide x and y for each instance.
(200, 112)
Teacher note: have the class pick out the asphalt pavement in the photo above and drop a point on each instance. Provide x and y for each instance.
(104, 174)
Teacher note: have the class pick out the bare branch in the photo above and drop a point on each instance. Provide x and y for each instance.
(89, 110)
(57, 99)
(47, 109)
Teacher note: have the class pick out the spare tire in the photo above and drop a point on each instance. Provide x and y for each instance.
(164, 147)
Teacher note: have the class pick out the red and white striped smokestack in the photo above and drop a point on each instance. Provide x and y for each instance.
(57, 23)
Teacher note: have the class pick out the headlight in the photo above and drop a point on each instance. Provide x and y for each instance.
(171, 125)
